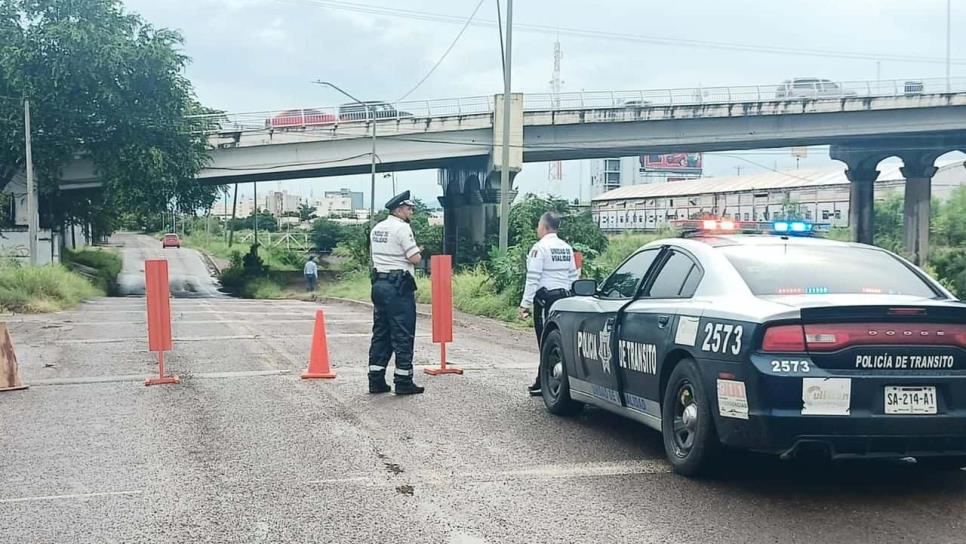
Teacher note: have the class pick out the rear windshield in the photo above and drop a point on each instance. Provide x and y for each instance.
(789, 269)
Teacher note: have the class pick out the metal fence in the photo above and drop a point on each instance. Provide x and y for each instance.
(332, 117)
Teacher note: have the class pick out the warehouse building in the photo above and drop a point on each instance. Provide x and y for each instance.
(820, 195)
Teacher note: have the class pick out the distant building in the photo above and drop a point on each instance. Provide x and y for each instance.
(279, 203)
(610, 174)
(245, 208)
(355, 196)
(820, 195)
(335, 206)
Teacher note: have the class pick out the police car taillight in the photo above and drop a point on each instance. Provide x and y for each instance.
(836, 336)
(784, 339)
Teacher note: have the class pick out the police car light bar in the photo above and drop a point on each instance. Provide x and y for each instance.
(726, 226)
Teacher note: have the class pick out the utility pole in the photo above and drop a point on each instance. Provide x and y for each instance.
(370, 112)
(949, 32)
(505, 171)
(556, 167)
(32, 212)
(255, 217)
(224, 212)
(231, 222)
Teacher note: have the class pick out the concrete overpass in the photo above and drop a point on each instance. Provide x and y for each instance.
(864, 122)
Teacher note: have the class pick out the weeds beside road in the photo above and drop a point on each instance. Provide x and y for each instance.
(40, 289)
(104, 263)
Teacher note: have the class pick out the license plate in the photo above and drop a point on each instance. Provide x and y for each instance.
(910, 400)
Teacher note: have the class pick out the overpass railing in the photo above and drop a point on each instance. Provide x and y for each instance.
(335, 118)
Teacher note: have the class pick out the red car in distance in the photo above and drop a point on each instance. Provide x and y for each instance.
(170, 240)
(300, 119)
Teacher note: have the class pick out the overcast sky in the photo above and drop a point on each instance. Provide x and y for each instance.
(255, 55)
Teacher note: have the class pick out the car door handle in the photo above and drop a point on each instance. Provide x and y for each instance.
(663, 321)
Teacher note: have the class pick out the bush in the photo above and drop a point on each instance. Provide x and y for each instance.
(326, 234)
(262, 288)
(289, 259)
(107, 265)
(31, 289)
(619, 248)
(949, 266)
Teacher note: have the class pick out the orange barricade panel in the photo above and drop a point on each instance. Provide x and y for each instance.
(159, 305)
(579, 259)
(442, 282)
(9, 373)
(442, 286)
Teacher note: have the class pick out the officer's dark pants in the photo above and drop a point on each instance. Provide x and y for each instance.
(393, 330)
(542, 302)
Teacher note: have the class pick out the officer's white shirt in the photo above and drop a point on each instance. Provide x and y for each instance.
(392, 244)
(311, 269)
(550, 264)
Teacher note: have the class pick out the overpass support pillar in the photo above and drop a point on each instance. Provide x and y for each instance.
(861, 172)
(918, 171)
(464, 217)
(862, 205)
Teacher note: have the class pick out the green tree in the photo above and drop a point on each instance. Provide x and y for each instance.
(306, 212)
(266, 222)
(889, 223)
(104, 83)
(326, 234)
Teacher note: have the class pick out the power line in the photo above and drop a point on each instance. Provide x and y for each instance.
(642, 38)
(448, 49)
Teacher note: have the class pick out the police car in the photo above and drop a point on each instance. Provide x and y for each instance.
(774, 341)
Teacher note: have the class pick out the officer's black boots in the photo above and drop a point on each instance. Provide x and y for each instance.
(408, 388)
(534, 389)
(379, 386)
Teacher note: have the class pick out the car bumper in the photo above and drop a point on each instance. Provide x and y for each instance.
(776, 423)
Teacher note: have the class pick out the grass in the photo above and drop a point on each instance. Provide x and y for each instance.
(620, 247)
(263, 288)
(39, 289)
(472, 293)
(274, 258)
(106, 262)
(353, 286)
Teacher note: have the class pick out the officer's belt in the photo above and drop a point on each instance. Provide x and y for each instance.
(389, 275)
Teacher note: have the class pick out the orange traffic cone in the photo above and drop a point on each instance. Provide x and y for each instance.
(319, 358)
(9, 375)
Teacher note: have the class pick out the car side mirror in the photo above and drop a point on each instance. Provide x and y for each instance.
(584, 288)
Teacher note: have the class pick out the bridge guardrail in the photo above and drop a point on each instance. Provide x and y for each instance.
(330, 119)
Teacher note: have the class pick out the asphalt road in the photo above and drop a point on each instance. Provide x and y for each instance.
(245, 451)
(187, 272)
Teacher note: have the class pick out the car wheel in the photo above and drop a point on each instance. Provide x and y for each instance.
(690, 439)
(554, 383)
(956, 462)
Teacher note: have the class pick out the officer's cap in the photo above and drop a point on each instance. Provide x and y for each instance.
(402, 199)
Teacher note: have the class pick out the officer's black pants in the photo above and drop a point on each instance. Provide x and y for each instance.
(393, 330)
(542, 303)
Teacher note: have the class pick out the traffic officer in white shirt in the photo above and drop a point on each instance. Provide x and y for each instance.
(394, 257)
(551, 270)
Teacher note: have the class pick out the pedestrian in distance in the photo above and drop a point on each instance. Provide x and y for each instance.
(311, 272)
(394, 258)
(551, 271)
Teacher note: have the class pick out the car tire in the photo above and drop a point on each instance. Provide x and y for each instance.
(554, 382)
(956, 462)
(690, 439)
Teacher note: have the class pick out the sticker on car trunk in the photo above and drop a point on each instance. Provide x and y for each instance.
(826, 396)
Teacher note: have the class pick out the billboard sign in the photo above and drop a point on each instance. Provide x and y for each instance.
(672, 162)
